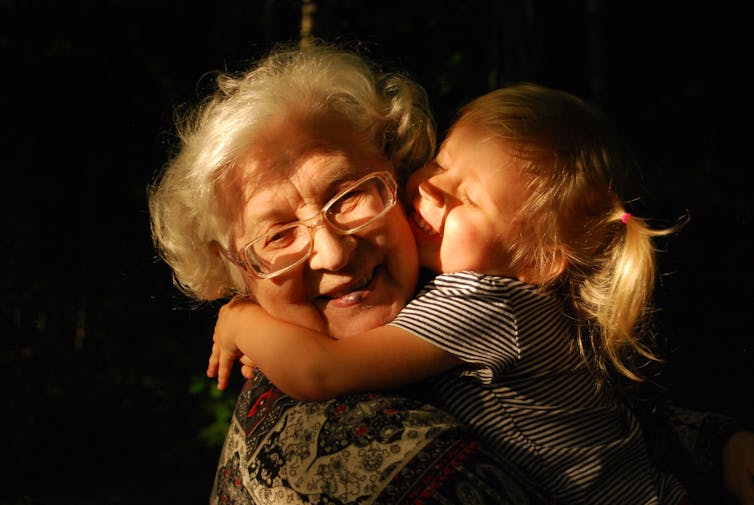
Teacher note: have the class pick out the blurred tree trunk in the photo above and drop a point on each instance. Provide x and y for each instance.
(308, 8)
(596, 49)
(270, 20)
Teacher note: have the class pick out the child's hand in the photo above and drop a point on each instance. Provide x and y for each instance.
(225, 349)
(247, 366)
(221, 364)
(738, 466)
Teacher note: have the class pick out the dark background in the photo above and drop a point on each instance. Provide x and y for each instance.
(102, 359)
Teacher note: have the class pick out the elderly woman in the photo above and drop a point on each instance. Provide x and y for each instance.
(276, 160)
(304, 155)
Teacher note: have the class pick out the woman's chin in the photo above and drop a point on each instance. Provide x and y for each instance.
(363, 320)
(375, 305)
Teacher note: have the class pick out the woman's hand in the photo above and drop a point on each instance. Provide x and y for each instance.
(738, 466)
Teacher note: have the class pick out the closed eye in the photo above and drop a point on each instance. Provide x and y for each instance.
(280, 238)
(437, 167)
(465, 198)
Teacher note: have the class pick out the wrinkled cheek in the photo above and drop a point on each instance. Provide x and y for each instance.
(288, 303)
(404, 269)
(396, 245)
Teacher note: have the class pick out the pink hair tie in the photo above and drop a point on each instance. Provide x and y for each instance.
(625, 217)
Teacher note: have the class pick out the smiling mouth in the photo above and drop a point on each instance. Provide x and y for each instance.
(355, 292)
(423, 225)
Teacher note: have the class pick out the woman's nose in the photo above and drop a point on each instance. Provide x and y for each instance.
(330, 250)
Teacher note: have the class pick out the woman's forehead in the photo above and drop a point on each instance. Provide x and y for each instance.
(312, 174)
(294, 191)
(292, 145)
(308, 178)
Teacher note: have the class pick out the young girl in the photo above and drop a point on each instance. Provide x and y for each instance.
(545, 281)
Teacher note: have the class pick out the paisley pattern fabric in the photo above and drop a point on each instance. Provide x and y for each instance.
(690, 443)
(357, 449)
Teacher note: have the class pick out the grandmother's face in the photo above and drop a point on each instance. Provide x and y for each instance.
(349, 283)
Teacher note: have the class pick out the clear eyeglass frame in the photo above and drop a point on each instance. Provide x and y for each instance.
(250, 261)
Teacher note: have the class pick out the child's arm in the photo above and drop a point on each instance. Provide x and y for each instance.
(312, 366)
(738, 466)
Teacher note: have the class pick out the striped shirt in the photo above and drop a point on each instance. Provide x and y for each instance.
(526, 392)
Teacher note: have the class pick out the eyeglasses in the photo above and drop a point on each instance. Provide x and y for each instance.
(352, 209)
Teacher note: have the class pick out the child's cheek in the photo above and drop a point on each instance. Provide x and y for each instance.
(461, 244)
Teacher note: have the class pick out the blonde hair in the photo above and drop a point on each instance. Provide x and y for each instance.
(574, 218)
(187, 215)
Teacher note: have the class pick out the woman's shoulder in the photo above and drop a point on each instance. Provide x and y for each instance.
(374, 447)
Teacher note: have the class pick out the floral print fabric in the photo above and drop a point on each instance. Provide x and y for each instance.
(357, 449)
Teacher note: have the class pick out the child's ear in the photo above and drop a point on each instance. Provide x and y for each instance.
(557, 266)
(551, 270)
(545, 273)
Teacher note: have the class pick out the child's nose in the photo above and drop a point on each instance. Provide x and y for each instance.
(431, 193)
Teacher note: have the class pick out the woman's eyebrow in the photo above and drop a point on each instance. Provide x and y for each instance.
(343, 176)
(263, 211)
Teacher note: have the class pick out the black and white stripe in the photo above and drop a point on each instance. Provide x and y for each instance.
(526, 392)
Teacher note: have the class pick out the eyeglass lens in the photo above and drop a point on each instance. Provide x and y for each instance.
(348, 212)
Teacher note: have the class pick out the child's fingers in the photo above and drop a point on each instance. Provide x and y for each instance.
(247, 371)
(247, 366)
(223, 375)
(220, 366)
(214, 362)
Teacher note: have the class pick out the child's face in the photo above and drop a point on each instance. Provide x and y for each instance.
(465, 202)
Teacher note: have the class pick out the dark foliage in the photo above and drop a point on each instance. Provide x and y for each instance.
(104, 395)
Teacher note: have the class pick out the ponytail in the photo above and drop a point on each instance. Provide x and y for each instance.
(612, 300)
